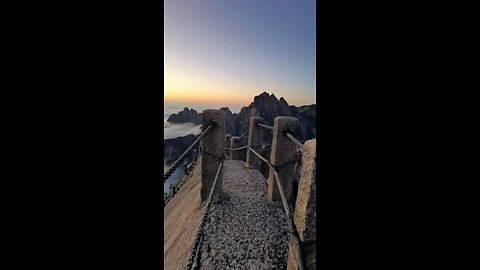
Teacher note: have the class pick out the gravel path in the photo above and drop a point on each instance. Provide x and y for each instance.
(245, 231)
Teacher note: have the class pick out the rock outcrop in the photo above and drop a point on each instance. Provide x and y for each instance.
(187, 115)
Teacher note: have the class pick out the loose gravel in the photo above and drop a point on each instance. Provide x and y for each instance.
(245, 230)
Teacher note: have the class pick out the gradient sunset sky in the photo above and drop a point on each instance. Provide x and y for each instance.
(226, 52)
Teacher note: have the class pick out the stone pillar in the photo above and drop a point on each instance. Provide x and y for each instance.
(227, 143)
(283, 156)
(212, 153)
(255, 135)
(235, 155)
(305, 209)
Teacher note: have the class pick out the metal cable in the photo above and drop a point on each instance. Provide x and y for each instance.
(235, 149)
(265, 126)
(180, 159)
(195, 253)
(238, 139)
(295, 141)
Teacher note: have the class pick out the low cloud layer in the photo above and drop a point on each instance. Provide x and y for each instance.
(177, 130)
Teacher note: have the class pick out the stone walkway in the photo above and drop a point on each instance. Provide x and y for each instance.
(244, 231)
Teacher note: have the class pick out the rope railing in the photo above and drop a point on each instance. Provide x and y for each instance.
(293, 232)
(236, 149)
(175, 188)
(195, 253)
(295, 141)
(261, 157)
(241, 136)
(182, 157)
(265, 126)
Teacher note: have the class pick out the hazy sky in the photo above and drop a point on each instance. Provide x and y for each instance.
(227, 51)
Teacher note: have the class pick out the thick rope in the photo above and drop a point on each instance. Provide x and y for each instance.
(265, 126)
(293, 232)
(235, 149)
(195, 253)
(238, 139)
(182, 157)
(295, 141)
(262, 158)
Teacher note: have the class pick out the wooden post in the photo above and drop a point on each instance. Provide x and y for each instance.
(283, 156)
(255, 135)
(212, 153)
(305, 209)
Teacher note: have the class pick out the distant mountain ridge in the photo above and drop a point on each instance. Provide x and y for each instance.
(187, 115)
(263, 105)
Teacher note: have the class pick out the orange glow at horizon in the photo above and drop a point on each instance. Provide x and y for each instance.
(198, 88)
(206, 95)
(192, 85)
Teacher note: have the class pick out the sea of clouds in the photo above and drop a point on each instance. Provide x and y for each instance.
(172, 130)
(178, 130)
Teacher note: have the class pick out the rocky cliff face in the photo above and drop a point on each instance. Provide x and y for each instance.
(175, 147)
(269, 107)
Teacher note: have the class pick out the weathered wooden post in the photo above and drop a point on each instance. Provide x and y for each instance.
(234, 155)
(283, 156)
(255, 135)
(212, 153)
(305, 216)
